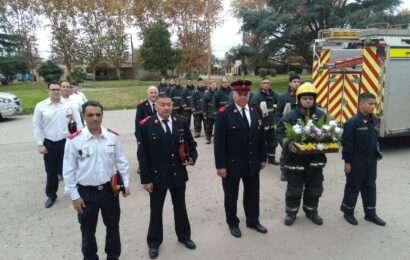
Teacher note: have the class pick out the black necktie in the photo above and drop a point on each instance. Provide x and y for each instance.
(244, 117)
(168, 130)
(153, 109)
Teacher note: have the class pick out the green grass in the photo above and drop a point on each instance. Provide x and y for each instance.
(120, 94)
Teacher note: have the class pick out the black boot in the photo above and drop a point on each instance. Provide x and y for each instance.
(350, 218)
(289, 219)
(272, 160)
(314, 217)
(375, 219)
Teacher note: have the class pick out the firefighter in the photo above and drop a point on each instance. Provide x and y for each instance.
(208, 108)
(197, 100)
(163, 87)
(287, 102)
(223, 95)
(176, 93)
(266, 99)
(304, 173)
(360, 153)
(187, 100)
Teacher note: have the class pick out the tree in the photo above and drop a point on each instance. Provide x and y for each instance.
(156, 51)
(11, 66)
(78, 74)
(50, 71)
(294, 24)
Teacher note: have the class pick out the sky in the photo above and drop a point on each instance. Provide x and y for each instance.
(224, 37)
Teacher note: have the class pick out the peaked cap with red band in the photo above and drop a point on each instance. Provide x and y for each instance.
(242, 86)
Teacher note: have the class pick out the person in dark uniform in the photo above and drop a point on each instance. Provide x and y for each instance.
(176, 94)
(223, 95)
(304, 173)
(146, 107)
(287, 102)
(208, 108)
(240, 154)
(197, 100)
(164, 87)
(187, 100)
(266, 100)
(165, 149)
(360, 153)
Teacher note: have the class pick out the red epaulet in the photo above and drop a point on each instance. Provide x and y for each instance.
(112, 131)
(221, 109)
(73, 135)
(144, 120)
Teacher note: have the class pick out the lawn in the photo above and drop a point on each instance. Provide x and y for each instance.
(118, 94)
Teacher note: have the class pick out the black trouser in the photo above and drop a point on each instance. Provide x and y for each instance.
(182, 227)
(363, 181)
(307, 183)
(187, 115)
(198, 119)
(96, 200)
(209, 127)
(53, 161)
(250, 199)
(270, 141)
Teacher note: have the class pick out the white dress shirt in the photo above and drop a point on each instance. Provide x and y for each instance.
(92, 161)
(50, 120)
(163, 124)
(247, 113)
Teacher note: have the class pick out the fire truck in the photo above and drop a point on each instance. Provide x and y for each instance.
(348, 62)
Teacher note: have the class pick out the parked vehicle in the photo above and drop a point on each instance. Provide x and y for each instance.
(10, 105)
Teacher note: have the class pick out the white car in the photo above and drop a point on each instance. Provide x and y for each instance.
(9, 105)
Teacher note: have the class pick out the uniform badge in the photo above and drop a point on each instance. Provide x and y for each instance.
(235, 110)
(156, 121)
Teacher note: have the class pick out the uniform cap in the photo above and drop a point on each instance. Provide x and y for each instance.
(241, 85)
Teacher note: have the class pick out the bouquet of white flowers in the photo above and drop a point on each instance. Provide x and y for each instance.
(315, 136)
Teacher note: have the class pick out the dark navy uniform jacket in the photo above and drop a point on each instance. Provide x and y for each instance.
(360, 143)
(238, 148)
(158, 155)
(143, 110)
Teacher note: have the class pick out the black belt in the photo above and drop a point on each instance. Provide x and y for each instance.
(101, 187)
(50, 141)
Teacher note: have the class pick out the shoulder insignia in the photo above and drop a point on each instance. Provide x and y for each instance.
(144, 120)
(73, 135)
(221, 109)
(112, 131)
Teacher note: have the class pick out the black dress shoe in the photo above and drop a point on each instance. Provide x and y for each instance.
(376, 220)
(351, 219)
(315, 218)
(153, 252)
(208, 141)
(188, 244)
(197, 135)
(49, 203)
(258, 227)
(235, 231)
(289, 219)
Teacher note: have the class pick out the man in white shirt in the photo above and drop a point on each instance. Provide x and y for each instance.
(50, 127)
(78, 96)
(92, 156)
(68, 96)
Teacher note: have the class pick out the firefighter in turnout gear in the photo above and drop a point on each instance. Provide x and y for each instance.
(266, 99)
(176, 95)
(223, 96)
(197, 100)
(163, 87)
(187, 101)
(360, 153)
(287, 102)
(304, 172)
(208, 108)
